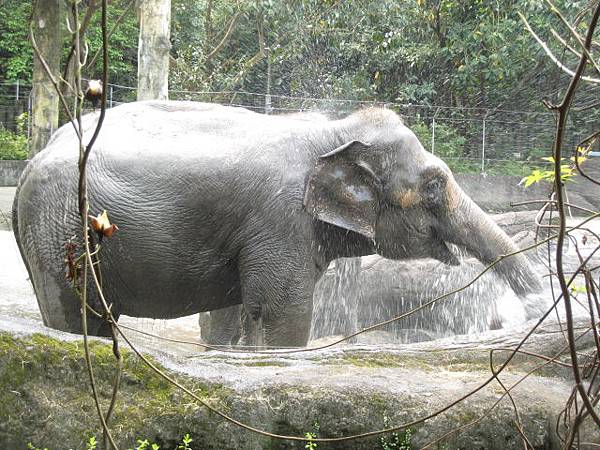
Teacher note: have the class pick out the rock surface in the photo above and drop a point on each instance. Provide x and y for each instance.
(45, 400)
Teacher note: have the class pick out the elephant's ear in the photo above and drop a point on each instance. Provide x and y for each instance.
(342, 190)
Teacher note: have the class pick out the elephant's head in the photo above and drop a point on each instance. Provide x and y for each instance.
(380, 182)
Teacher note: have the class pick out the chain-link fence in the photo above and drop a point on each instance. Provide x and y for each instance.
(14, 102)
(14, 120)
(494, 141)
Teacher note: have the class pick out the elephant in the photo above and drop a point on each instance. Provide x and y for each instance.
(218, 206)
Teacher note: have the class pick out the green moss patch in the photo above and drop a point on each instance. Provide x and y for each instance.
(380, 360)
(45, 395)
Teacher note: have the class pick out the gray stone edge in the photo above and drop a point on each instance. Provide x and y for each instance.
(10, 171)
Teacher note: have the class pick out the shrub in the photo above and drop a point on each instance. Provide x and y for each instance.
(12, 145)
(448, 142)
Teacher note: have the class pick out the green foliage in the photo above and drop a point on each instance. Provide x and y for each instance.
(578, 289)
(123, 44)
(567, 170)
(30, 446)
(12, 145)
(463, 54)
(310, 436)
(448, 142)
(449, 145)
(91, 443)
(396, 441)
(514, 168)
(141, 444)
(145, 445)
(418, 51)
(185, 443)
(16, 55)
(538, 175)
(310, 445)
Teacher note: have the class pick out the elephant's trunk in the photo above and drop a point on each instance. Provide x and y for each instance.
(482, 237)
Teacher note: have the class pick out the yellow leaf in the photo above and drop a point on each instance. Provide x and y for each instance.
(578, 289)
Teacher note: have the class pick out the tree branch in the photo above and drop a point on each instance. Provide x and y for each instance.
(257, 57)
(112, 30)
(562, 112)
(91, 9)
(557, 13)
(551, 55)
(564, 43)
(226, 37)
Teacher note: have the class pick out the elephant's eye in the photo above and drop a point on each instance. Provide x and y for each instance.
(434, 190)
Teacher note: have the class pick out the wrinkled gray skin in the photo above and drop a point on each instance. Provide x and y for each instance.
(219, 206)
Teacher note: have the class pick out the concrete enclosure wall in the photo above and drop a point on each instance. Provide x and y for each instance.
(496, 193)
(10, 171)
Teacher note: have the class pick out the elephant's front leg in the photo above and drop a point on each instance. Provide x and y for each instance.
(279, 291)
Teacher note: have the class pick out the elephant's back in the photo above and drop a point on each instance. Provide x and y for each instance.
(149, 153)
(156, 150)
(186, 130)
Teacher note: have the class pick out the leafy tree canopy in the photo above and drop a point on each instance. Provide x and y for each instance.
(443, 52)
(16, 54)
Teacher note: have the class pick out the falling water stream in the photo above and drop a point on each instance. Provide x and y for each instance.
(351, 297)
(355, 294)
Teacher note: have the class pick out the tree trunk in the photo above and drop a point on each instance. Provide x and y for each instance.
(153, 50)
(268, 105)
(208, 37)
(44, 98)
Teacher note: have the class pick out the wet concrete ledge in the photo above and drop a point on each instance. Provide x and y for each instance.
(10, 171)
(334, 393)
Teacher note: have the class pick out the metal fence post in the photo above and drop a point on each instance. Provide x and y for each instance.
(17, 92)
(433, 131)
(110, 101)
(268, 106)
(483, 148)
(29, 123)
(433, 137)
